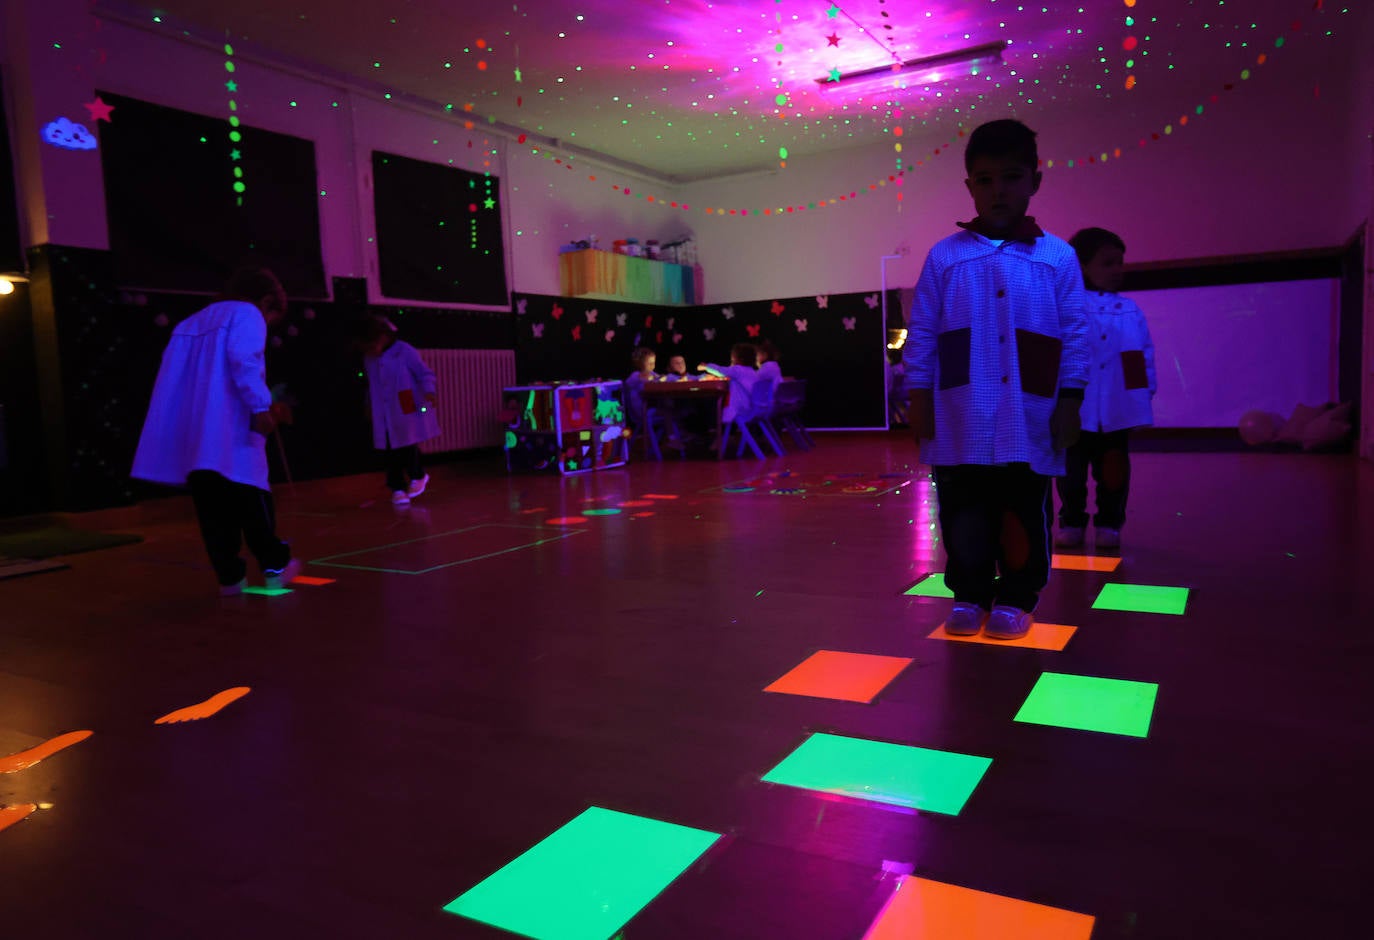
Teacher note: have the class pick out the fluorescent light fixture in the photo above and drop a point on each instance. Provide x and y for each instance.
(933, 68)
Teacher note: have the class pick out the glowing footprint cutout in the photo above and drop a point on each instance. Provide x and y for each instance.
(206, 708)
(17, 762)
(9, 815)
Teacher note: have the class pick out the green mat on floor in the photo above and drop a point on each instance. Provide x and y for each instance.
(50, 541)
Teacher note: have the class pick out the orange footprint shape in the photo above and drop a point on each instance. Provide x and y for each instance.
(9, 815)
(206, 708)
(17, 762)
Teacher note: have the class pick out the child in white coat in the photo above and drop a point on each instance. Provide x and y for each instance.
(401, 391)
(1120, 388)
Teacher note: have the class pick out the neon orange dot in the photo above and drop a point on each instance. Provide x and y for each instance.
(1130, 82)
(897, 132)
(1129, 43)
(482, 66)
(481, 44)
(1263, 58)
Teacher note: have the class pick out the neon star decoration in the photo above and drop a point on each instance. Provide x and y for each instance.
(100, 111)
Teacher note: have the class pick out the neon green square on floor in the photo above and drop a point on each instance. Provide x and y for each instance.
(1142, 598)
(932, 585)
(586, 880)
(1114, 706)
(895, 774)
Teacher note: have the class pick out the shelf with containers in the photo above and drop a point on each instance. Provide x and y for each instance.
(571, 427)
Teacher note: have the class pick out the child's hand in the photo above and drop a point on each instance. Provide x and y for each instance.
(1065, 423)
(921, 414)
(263, 424)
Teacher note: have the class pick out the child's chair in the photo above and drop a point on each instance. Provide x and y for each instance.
(762, 398)
(787, 405)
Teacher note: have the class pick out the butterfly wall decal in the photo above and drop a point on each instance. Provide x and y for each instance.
(849, 322)
(801, 325)
(823, 301)
(538, 330)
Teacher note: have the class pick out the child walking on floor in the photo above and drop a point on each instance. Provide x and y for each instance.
(996, 362)
(1120, 388)
(401, 392)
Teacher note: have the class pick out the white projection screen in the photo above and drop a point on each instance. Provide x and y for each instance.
(1223, 351)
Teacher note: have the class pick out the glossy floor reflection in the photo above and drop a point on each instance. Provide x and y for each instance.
(493, 662)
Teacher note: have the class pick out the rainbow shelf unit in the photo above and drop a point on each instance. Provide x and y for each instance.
(571, 427)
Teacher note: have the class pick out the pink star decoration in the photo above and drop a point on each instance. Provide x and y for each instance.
(100, 111)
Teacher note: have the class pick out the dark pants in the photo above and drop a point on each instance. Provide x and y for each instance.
(1107, 454)
(231, 513)
(402, 466)
(995, 521)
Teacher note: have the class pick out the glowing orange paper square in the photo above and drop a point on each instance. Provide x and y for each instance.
(1085, 562)
(311, 582)
(849, 677)
(923, 908)
(1042, 636)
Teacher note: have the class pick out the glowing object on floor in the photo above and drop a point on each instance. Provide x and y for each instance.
(895, 774)
(309, 581)
(932, 585)
(1042, 636)
(1088, 703)
(849, 677)
(23, 759)
(1142, 598)
(1085, 562)
(9, 815)
(566, 520)
(206, 708)
(601, 512)
(267, 591)
(586, 880)
(920, 907)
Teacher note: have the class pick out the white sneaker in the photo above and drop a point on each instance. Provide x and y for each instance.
(965, 619)
(400, 498)
(1008, 623)
(280, 578)
(417, 486)
(1107, 538)
(1069, 536)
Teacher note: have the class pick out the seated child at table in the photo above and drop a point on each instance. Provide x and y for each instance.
(644, 361)
(677, 370)
(742, 375)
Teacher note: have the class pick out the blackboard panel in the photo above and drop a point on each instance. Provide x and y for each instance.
(175, 220)
(438, 232)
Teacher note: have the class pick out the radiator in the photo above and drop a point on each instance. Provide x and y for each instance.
(468, 402)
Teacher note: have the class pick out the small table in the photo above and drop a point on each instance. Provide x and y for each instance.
(715, 390)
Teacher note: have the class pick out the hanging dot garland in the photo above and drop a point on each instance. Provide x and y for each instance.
(1183, 120)
(235, 135)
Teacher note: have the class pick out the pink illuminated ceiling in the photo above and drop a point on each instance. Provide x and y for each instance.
(689, 89)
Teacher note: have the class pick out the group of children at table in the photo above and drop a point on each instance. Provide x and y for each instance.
(753, 374)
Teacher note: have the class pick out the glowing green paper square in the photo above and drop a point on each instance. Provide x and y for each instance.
(897, 774)
(931, 586)
(1142, 598)
(267, 591)
(586, 880)
(1115, 706)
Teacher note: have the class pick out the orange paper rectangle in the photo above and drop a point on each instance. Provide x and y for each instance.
(1042, 636)
(923, 908)
(849, 677)
(311, 582)
(1085, 562)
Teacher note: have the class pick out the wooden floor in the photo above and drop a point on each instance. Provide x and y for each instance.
(460, 692)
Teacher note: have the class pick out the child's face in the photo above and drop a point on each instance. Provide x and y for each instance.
(1001, 188)
(1106, 270)
(677, 365)
(649, 363)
